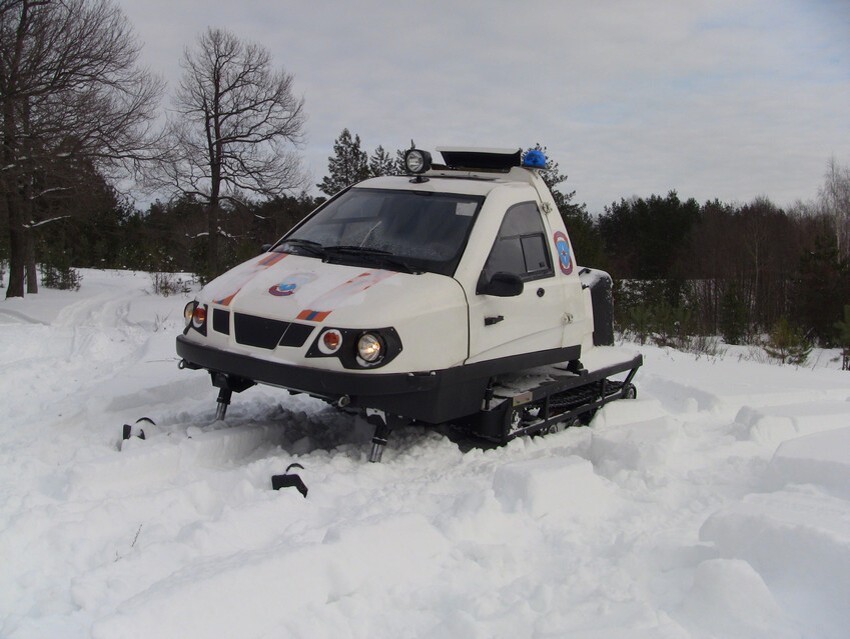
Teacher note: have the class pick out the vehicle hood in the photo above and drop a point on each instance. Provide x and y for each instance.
(298, 288)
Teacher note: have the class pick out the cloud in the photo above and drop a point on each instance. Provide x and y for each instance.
(728, 99)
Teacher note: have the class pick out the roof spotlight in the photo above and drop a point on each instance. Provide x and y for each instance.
(417, 161)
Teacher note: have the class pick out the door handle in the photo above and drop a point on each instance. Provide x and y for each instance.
(489, 321)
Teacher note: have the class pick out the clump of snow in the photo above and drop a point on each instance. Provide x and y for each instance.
(729, 598)
(819, 459)
(714, 505)
(554, 487)
(798, 540)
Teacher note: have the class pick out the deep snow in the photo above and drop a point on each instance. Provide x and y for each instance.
(715, 505)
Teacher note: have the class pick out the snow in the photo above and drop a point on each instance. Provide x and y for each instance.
(717, 504)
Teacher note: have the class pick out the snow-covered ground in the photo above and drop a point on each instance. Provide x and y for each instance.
(715, 505)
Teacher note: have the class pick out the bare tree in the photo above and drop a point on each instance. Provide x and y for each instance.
(232, 130)
(835, 200)
(70, 92)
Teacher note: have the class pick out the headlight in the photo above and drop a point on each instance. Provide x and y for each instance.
(370, 348)
(357, 348)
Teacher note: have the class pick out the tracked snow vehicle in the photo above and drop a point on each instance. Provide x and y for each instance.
(449, 295)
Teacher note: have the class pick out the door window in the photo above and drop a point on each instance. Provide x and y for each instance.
(521, 246)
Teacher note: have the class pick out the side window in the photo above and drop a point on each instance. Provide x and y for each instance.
(521, 246)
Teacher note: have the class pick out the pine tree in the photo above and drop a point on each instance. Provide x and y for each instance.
(400, 168)
(552, 176)
(585, 238)
(348, 165)
(381, 163)
(733, 314)
(787, 344)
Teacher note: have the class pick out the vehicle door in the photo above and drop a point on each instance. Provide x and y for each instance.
(517, 324)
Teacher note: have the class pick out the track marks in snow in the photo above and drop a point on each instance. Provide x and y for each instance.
(18, 317)
(347, 568)
(142, 463)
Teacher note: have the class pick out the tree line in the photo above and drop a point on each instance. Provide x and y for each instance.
(683, 269)
(736, 270)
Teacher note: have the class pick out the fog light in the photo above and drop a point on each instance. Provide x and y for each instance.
(199, 316)
(330, 341)
(370, 348)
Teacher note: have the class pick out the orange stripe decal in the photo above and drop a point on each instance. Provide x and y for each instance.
(271, 260)
(313, 316)
(264, 263)
(330, 300)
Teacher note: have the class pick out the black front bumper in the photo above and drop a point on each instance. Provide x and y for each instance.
(433, 396)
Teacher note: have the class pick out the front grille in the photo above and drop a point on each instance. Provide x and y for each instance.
(268, 333)
(221, 321)
(296, 335)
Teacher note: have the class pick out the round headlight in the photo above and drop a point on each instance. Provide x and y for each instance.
(188, 312)
(199, 316)
(330, 341)
(417, 161)
(370, 347)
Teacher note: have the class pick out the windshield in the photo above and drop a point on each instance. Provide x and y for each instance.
(406, 230)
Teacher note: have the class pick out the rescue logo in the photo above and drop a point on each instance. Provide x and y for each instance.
(562, 246)
(290, 286)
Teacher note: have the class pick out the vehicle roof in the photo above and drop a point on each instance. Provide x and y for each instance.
(448, 181)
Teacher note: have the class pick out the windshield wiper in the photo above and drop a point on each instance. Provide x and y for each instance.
(376, 255)
(308, 246)
(357, 250)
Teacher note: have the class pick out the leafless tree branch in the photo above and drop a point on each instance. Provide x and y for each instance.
(72, 97)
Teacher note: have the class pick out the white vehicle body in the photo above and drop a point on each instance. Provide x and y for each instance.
(444, 335)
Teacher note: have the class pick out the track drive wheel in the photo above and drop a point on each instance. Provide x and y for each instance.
(558, 427)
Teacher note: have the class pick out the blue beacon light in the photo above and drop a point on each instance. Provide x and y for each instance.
(534, 159)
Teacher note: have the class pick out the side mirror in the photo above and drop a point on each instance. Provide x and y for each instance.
(502, 284)
(266, 247)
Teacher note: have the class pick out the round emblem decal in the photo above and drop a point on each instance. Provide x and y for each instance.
(562, 245)
(290, 286)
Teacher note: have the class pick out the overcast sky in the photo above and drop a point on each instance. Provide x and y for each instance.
(717, 98)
